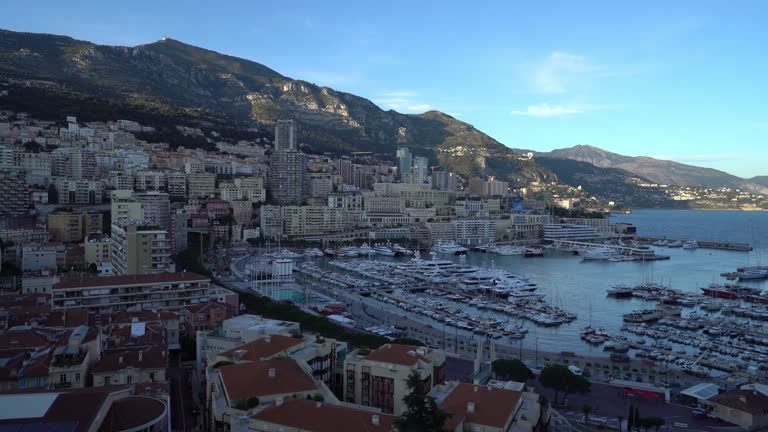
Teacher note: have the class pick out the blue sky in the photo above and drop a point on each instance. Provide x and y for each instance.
(683, 80)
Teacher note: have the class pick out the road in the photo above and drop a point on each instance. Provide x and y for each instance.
(182, 406)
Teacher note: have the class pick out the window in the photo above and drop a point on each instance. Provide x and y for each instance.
(63, 378)
(152, 376)
(107, 379)
(77, 377)
(128, 379)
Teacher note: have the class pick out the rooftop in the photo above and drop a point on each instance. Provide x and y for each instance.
(132, 412)
(90, 282)
(306, 415)
(406, 355)
(148, 358)
(480, 405)
(263, 348)
(245, 380)
(749, 401)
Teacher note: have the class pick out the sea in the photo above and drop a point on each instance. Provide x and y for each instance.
(580, 286)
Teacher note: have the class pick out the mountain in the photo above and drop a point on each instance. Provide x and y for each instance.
(182, 83)
(760, 180)
(608, 184)
(656, 170)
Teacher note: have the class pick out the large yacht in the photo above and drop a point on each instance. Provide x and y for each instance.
(383, 250)
(601, 253)
(508, 250)
(449, 247)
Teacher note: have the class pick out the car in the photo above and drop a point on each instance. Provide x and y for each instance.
(699, 413)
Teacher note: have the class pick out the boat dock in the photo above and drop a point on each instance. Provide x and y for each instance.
(741, 247)
(641, 253)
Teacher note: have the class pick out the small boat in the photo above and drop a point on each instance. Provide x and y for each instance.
(533, 252)
(691, 244)
(620, 290)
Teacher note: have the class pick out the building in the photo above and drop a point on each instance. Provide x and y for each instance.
(126, 209)
(97, 250)
(139, 249)
(201, 185)
(489, 408)
(353, 174)
(65, 226)
(295, 414)
(116, 409)
(242, 211)
(205, 316)
(45, 257)
(474, 232)
(70, 363)
(320, 185)
(128, 367)
(420, 170)
(404, 163)
(554, 232)
(156, 207)
(378, 378)
(80, 192)
(300, 221)
(288, 179)
(234, 389)
(136, 292)
(285, 135)
(176, 184)
(444, 180)
(15, 192)
(493, 187)
(746, 407)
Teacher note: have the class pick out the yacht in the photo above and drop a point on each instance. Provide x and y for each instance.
(399, 250)
(601, 253)
(349, 252)
(752, 274)
(660, 243)
(286, 254)
(533, 252)
(507, 250)
(449, 247)
(691, 244)
(365, 250)
(719, 291)
(313, 252)
(620, 290)
(675, 244)
(384, 250)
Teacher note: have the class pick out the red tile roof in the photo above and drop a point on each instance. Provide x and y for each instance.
(306, 415)
(22, 339)
(148, 358)
(748, 401)
(158, 278)
(405, 355)
(493, 407)
(265, 348)
(245, 380)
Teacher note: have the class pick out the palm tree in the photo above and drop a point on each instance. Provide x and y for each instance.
(586, 409)
(621, 420)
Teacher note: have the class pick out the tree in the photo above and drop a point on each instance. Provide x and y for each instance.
(586, 409)
(514, 370)
(92, 268)
(560, 378)
(637, 418)
(631, 418)
(654, 422)
(421, 413)
(621, 420)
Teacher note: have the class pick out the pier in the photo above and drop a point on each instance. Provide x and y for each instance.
(740, 247)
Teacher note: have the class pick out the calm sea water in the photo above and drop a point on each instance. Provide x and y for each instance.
(581, 286)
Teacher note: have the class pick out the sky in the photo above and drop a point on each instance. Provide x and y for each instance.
(682, 80)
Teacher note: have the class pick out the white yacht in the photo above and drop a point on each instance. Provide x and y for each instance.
(675, 244)
(383, 250)
(508, 250)
(348, 252)
(620, 290)
(601, 253)
(400, 250)
(691, 244)
(286, 254)
(752, 274)
(449, 247)
(365, 250)
(313, 252)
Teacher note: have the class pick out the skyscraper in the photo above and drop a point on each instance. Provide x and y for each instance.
(420, 170)
(404, 162)
(285, 135)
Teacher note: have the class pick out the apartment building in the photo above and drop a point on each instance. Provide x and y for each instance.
(15, 193)
(97, 250)
(378, 378)
(136, 292)
(201, 185)
(80, 192)
(176, 184)
(126, 209)
(66, 226)
(130, 367)
(139, 249)
(474, 232)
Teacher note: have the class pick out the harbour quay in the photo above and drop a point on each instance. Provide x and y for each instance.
(721, 245)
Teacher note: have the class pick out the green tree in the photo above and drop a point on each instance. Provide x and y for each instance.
(638, 419)
(654, 422)
(621, 420)
(561, 379)
(514, 370)
(631, 418)
(586, 409)
(421, 413)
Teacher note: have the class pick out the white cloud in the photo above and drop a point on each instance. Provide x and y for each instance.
(546, 110)
(558, 71)
(402, 100)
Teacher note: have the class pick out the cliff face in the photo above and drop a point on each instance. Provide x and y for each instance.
(170, 75)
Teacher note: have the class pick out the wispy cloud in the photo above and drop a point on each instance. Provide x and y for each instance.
(545, 110)
(558, 71)
(402, 100)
